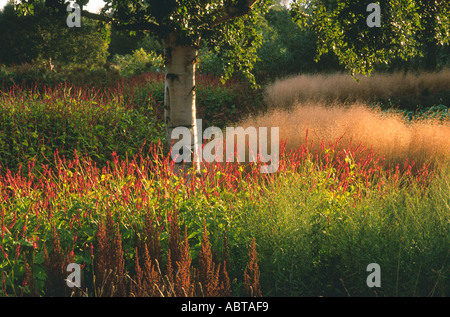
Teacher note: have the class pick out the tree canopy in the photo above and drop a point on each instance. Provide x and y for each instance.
(44, 36)
(406, 27)
(409, 28)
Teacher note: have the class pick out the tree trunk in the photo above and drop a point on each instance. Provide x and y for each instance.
(431, 55)
(179, 94)
(428, 36)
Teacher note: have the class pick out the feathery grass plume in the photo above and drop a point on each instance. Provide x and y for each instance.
(110, 265)
(137, 287)
(183, 285)
(251, 274)
(174, 241)
(208, 273)
(118, 265)
(169, 270)
(225, 286)
(152, 240)
(388, 134)
(28, 281)
(147, 281)
(101, 258)
(329, 88)
(56, 263)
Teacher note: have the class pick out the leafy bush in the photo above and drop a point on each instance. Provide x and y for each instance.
(138, 63)
(217, 104)
(45, 37)
(35, 76)
(209, 62)
(287, 49)
(151, 43)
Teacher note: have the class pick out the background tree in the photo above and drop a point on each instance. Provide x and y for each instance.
(45, 38)
(406, 27)
(434, 31)
(19, 44)
(123, 43)
(288, 49)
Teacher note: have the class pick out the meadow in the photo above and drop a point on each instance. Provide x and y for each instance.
(84, 179)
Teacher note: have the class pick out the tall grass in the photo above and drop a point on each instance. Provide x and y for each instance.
(312, 242)
(410, 87)
(317, 231)
(389, 134)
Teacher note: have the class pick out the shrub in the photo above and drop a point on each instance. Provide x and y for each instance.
(287, 49)
(138, 63)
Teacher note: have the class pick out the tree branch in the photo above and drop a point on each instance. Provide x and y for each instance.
(242, 8)
(144, 26)
(97, 17)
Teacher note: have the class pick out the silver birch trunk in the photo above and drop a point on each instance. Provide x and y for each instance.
(179, 94)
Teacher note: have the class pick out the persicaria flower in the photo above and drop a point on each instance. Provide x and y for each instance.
(17, 251)
(4, 253)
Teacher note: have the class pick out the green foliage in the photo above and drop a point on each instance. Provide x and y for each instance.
(229, 26)
(138, 63)
(44, 38)
(287, 48)
(150, 43)
(237, 43)
(235, 40)
(122, 43)
(43, 124)
(210, 62)
(342, 28)
(85, 47)
(19, 45)
(218, 105)
(313, 242)
(314, 236)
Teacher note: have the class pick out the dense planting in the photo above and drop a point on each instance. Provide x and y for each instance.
(317, 221)
(84, 179)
